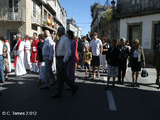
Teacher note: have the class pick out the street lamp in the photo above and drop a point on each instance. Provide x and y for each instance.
(113, 3)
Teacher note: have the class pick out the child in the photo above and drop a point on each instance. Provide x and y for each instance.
(87, 57)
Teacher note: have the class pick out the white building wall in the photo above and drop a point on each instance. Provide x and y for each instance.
(146, 27)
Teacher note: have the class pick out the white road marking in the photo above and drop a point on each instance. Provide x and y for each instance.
(112, 105)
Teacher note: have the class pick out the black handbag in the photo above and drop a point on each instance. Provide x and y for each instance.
(144, 73)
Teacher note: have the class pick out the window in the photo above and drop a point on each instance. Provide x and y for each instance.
(45, 15)
(13, 5)
(34, 9)
(55, 2)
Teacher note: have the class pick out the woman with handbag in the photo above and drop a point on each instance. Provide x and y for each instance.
(136, 60)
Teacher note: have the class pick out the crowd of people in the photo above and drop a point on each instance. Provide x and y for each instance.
(56, 57)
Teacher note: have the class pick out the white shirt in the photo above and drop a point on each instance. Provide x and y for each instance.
(135, 54)
(47, 50)
(1, 48)
(95, 47)
(27, 45)
(86, 44)
(63, 48)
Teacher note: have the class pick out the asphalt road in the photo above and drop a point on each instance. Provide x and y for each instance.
(21, 99)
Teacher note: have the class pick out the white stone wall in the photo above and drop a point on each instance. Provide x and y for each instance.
(146, 28)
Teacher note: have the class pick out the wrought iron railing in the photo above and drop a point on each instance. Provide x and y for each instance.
(7, 15)
(135, 6)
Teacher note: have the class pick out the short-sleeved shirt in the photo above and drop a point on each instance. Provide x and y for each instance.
(87, 56)
(95, 47)
(5, 51)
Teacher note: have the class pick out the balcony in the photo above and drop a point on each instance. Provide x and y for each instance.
(36, 18)
(6, 15)
(45, 25)
(139, 7)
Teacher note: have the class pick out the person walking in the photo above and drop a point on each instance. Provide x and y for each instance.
(63, 52)
(27, 54)
(76, 54)
(124, 53)
(19, 57)
(96, 49)
(34, 53)
(87, 57)
(72, 58)
(1, 59)
(136, 60)
(40, 57)
(103, 56)
(9, 56)
(47, 52)
(156, 63)
(112, 57)
(6, 67)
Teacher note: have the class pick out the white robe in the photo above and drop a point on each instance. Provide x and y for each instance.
(9, 57)
(27, 54)
(19, 69)
(54, 59)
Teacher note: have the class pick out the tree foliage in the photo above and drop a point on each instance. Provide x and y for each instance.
(92, 9)
(108, 15)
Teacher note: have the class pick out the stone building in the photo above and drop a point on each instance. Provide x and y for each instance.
(103, 22)
(140, 19)
(29, 16)
(71, 25)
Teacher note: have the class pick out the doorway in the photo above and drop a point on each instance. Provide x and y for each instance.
(134, 33)
(156, 36)
(10, 38)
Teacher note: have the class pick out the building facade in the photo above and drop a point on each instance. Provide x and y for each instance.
(103, 22)
(140, 19)
(29, 16)
(71, 25)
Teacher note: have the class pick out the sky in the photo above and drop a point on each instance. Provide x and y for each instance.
(80, 10)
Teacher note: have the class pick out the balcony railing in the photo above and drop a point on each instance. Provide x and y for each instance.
(6, 15)
(36, 18)
(130, 7)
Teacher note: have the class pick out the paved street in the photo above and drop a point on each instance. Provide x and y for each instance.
(22, 99)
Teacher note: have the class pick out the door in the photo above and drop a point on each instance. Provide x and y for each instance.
(10, 37)
(157, 36)
(134, 33)
(13, 9)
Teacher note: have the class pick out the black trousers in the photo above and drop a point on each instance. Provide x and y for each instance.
(122, 71)
(62, 75)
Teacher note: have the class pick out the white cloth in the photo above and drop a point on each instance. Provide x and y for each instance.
(129, 47)
(9, 57)
(103, 62)
(41, 71)
(54, 59)
(48, 50)
(27, 54)
(19, 69)
(1, 48)
(86, 44)
(35, 67)
(95, 47)
(63, 48)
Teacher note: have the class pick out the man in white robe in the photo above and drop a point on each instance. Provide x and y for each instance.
(19, 57)
(27, 54)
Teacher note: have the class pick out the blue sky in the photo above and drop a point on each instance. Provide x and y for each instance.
(80, 10)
